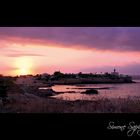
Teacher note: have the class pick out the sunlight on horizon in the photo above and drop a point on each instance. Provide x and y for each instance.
(23, 66)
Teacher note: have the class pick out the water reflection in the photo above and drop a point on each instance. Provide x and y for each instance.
(114, 91)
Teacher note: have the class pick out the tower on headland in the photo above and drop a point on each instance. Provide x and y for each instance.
(114, 72)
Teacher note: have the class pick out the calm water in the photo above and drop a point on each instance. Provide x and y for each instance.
(114, 91)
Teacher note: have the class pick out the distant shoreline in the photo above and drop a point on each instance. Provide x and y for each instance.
(73, 83)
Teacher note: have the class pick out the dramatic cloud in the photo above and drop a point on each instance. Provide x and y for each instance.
(102, 38)
(69, 49)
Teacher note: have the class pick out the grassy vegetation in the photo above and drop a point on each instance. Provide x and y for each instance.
(29, 103)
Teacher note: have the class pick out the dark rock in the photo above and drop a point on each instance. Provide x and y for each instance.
(46, 93)
(93, 88)
(50, 85)
(62, 92)
(41, 92)
(90, 91)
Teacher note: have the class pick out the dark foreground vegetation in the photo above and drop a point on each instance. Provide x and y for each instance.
(20, 103)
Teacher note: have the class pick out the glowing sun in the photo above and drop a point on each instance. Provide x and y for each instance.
(23, 66)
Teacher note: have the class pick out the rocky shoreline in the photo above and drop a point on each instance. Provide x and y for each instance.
(77, 82)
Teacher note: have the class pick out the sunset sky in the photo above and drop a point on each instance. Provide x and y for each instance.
(33, 50)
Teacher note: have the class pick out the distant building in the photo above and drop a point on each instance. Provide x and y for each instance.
(77, 76)
(115, 73)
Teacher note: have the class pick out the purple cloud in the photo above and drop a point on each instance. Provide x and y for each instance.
(102, 38)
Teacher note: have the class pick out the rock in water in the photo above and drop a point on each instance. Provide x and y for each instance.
(46, 92)
(90, 91)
